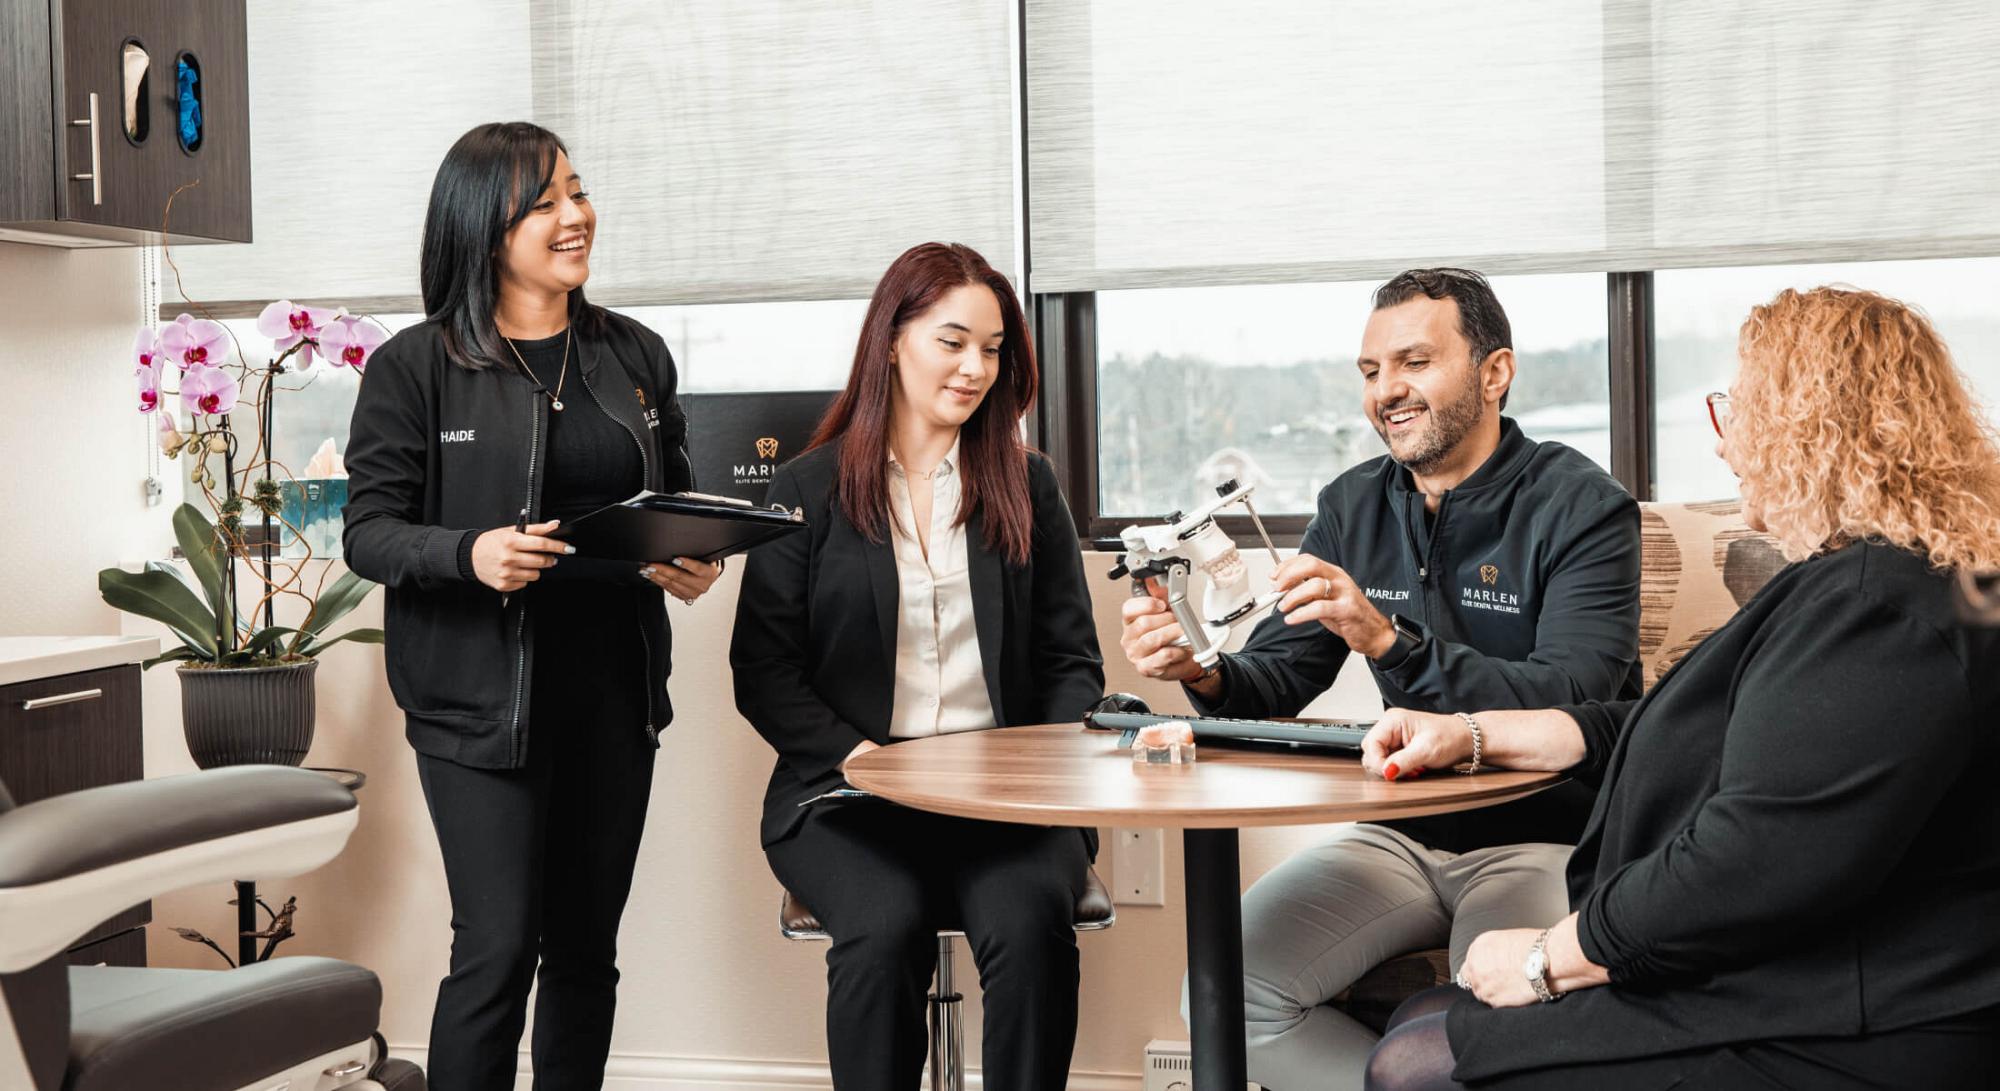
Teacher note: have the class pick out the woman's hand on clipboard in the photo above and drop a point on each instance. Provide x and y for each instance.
(683, 577)
(509, 558)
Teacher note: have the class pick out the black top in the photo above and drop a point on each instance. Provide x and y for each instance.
(1798, 832)
(1525, 583)
(584, 616)
(814, 653)
(439, 454)
(592, 462)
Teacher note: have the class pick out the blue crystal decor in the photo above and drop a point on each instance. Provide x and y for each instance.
(187, 83)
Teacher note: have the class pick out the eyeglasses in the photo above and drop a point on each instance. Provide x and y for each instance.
(1718, 411)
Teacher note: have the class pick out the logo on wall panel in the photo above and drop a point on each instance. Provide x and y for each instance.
(737, 441)
(1489, 574)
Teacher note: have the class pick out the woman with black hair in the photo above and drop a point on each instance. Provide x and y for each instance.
(939, 589)
(532, 679)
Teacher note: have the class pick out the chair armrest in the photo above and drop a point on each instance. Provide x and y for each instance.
(71, 861)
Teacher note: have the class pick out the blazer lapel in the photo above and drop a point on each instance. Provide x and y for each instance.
(988, 608)
(888, 593)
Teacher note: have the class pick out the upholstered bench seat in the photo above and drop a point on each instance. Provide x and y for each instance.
(194, 1030)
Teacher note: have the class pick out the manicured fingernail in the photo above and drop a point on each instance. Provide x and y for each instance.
(676, 562)
(647, 572)
(1391, 772)
(569, 549)
(553, 560)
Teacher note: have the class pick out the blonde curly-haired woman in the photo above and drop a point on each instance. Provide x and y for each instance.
(1792, 874)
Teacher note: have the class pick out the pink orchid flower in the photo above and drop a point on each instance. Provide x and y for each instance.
(194, 342)
(149, 388)
(349, 342)
(208, 390)
(287, 324)
(170, 434)
(146, 348)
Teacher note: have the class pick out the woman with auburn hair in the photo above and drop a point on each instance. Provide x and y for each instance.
(1793, 869)
(939, 589)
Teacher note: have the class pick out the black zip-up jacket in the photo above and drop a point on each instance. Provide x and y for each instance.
(439, 454)
(1797, 835)
(1525, 586)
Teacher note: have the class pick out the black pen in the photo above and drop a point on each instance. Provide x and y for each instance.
(520, 527)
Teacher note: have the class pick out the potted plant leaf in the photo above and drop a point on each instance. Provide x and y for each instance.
(246, 681)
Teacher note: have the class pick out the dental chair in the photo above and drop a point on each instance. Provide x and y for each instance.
(71, 861)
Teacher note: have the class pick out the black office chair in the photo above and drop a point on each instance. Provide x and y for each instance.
(1094, 911)
(71, 861)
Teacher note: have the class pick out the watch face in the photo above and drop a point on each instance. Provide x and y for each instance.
(1537, 963)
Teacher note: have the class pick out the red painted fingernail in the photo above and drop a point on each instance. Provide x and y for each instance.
(1390, 771)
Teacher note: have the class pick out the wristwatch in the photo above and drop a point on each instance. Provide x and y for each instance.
(1537, 969)
(1408, 636)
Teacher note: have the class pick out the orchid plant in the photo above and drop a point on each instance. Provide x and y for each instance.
(210, 375)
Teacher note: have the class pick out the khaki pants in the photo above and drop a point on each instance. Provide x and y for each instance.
(1332, 912)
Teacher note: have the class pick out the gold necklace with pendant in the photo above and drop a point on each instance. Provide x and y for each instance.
(555, 399)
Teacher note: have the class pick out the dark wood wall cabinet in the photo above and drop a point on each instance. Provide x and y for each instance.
(107, 107)
(71, 732)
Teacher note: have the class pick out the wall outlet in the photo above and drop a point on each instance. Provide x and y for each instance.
(1138, 867)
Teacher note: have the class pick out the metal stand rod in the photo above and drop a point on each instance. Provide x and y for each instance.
(947, 1034)
(246, 922)
(1215, 959)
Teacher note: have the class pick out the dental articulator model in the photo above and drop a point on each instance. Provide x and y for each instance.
(1172, 550)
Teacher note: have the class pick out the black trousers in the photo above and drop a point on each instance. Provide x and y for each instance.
(1961, 1051)
(882, 878)
(539, 861)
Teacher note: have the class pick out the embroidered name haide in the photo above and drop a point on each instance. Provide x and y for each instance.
(463, 435)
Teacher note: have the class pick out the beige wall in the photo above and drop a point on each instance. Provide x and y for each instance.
(705, 973)
(72, 448)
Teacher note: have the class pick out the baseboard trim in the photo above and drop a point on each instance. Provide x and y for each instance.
(650, 1072)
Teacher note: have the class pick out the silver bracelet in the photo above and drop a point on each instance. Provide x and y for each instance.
(1478, 743)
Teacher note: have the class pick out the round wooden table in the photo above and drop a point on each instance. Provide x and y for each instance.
(1067, 775)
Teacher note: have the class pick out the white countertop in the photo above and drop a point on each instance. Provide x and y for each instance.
(27, 658)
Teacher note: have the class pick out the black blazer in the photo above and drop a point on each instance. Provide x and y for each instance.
(814, 652)
(1797, 836)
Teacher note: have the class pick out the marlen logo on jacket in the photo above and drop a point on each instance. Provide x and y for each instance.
(767, 447)
(1479, 598)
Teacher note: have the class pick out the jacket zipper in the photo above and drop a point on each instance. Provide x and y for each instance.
(521, 617)
(645, 475)
(1434, 608)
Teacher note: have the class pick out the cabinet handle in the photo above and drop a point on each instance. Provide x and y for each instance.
(348, 1069)
(61, 699)
(96, 175)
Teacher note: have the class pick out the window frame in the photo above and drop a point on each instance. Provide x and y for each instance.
(1064, 424)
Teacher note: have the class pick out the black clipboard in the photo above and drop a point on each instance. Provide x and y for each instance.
(655, 526)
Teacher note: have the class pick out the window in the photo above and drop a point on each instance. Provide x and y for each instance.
(1697, 313)
(1198, 385)
(737, 347)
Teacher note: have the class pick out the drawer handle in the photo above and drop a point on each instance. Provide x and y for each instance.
(61, 699)
(348, 1069)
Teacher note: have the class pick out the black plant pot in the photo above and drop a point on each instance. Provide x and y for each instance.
(258, 716)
